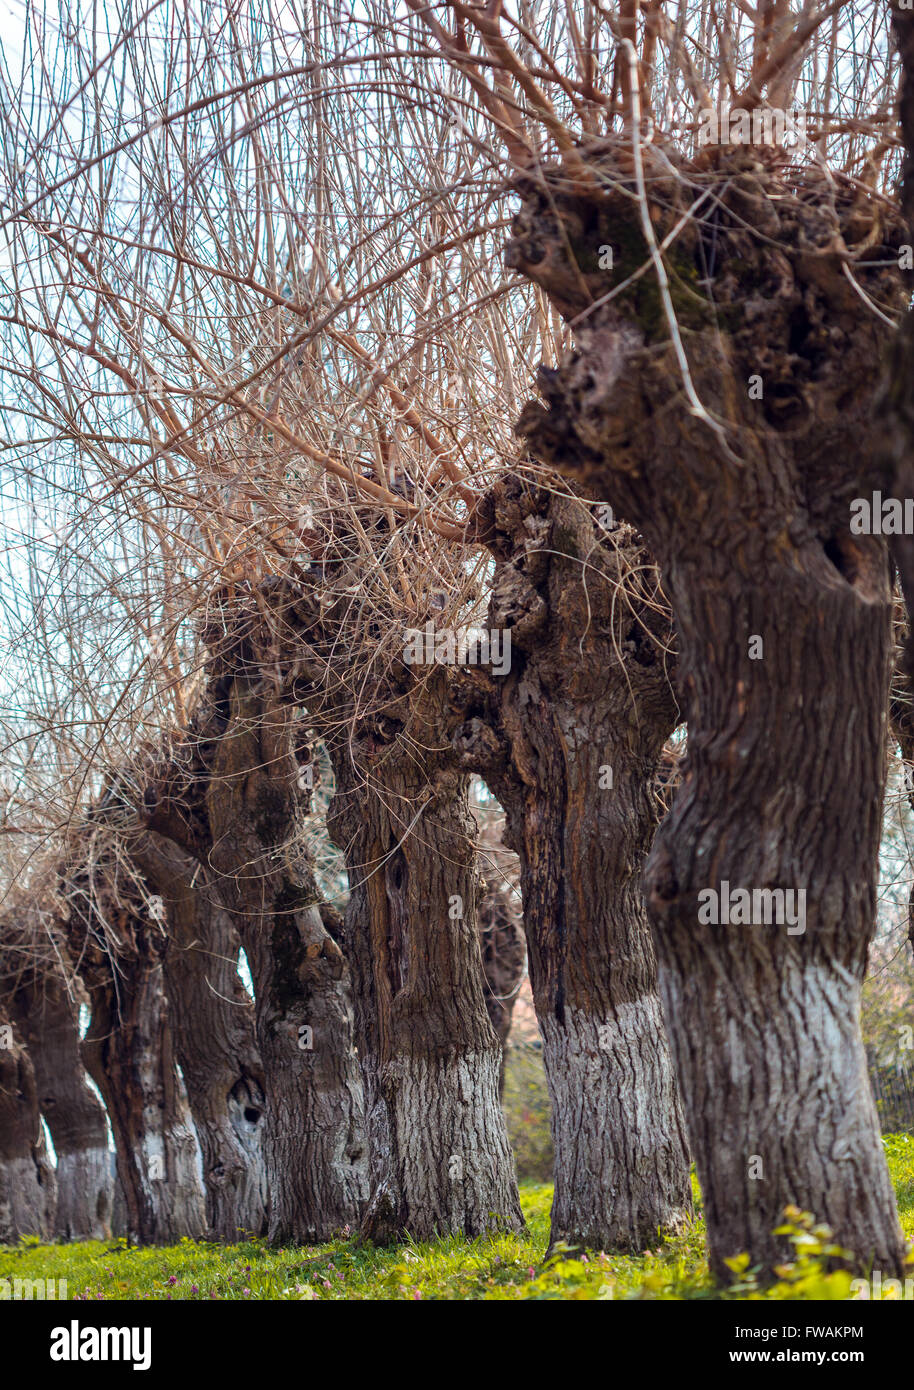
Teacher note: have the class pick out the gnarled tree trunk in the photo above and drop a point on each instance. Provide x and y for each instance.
(46, 1017)
(128, 1051)
(570, 739)
(440, 1159)
(782, 617)
(501, 942)
(27, 1183)
(440, 1154)
(314, 1138)
(212, 1021)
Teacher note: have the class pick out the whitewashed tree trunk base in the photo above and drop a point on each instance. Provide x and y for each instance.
(449, 1168)
(618, 1147)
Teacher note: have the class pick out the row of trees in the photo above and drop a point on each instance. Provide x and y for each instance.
(267, 388)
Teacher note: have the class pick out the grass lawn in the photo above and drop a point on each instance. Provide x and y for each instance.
(498, 1267)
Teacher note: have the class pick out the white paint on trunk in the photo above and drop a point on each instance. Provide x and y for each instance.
(781, 1078)
(621, 1170)
(26, 1204)
(85, 1194)
(449, 1167)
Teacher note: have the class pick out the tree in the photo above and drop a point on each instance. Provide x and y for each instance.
(212, 1020)
(706, 398)
(231, 792)
(42, 1001)
(441, 1163)
(28, 1190)
(764, 620)
(118, 947)
(569, 739)
(438, 1148)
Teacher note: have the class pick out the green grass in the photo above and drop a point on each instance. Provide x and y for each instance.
(498, 1267)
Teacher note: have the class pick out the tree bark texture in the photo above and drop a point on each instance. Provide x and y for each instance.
(212, 1019)
(27, 1182)
(570, 740)
(128, 1050)
(782, 625)
(231, 793)
(47, 1018)
(314, 1135)
(441, 1162)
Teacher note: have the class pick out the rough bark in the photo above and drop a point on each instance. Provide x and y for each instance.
(27, 1182)
(783, 778)
(895, 407)
(440, 1159)
(314, 1137)
(212, 1020)
(47, 1019)
(440, 1154)
(901, 711)
(128, 1051)
(501, 942)
(570, 740)
(119, 1219)
(230, 792)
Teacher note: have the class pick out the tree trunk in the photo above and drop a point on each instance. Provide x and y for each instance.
(896, 408)
(129, 1053)
(570, 739)
(119, 1218)
(501, 942)
(212, 1020)
(27, 1183)
(782, 618)
(314, 1139)
(440, 1159)
(47, 1019)
(901, 709)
